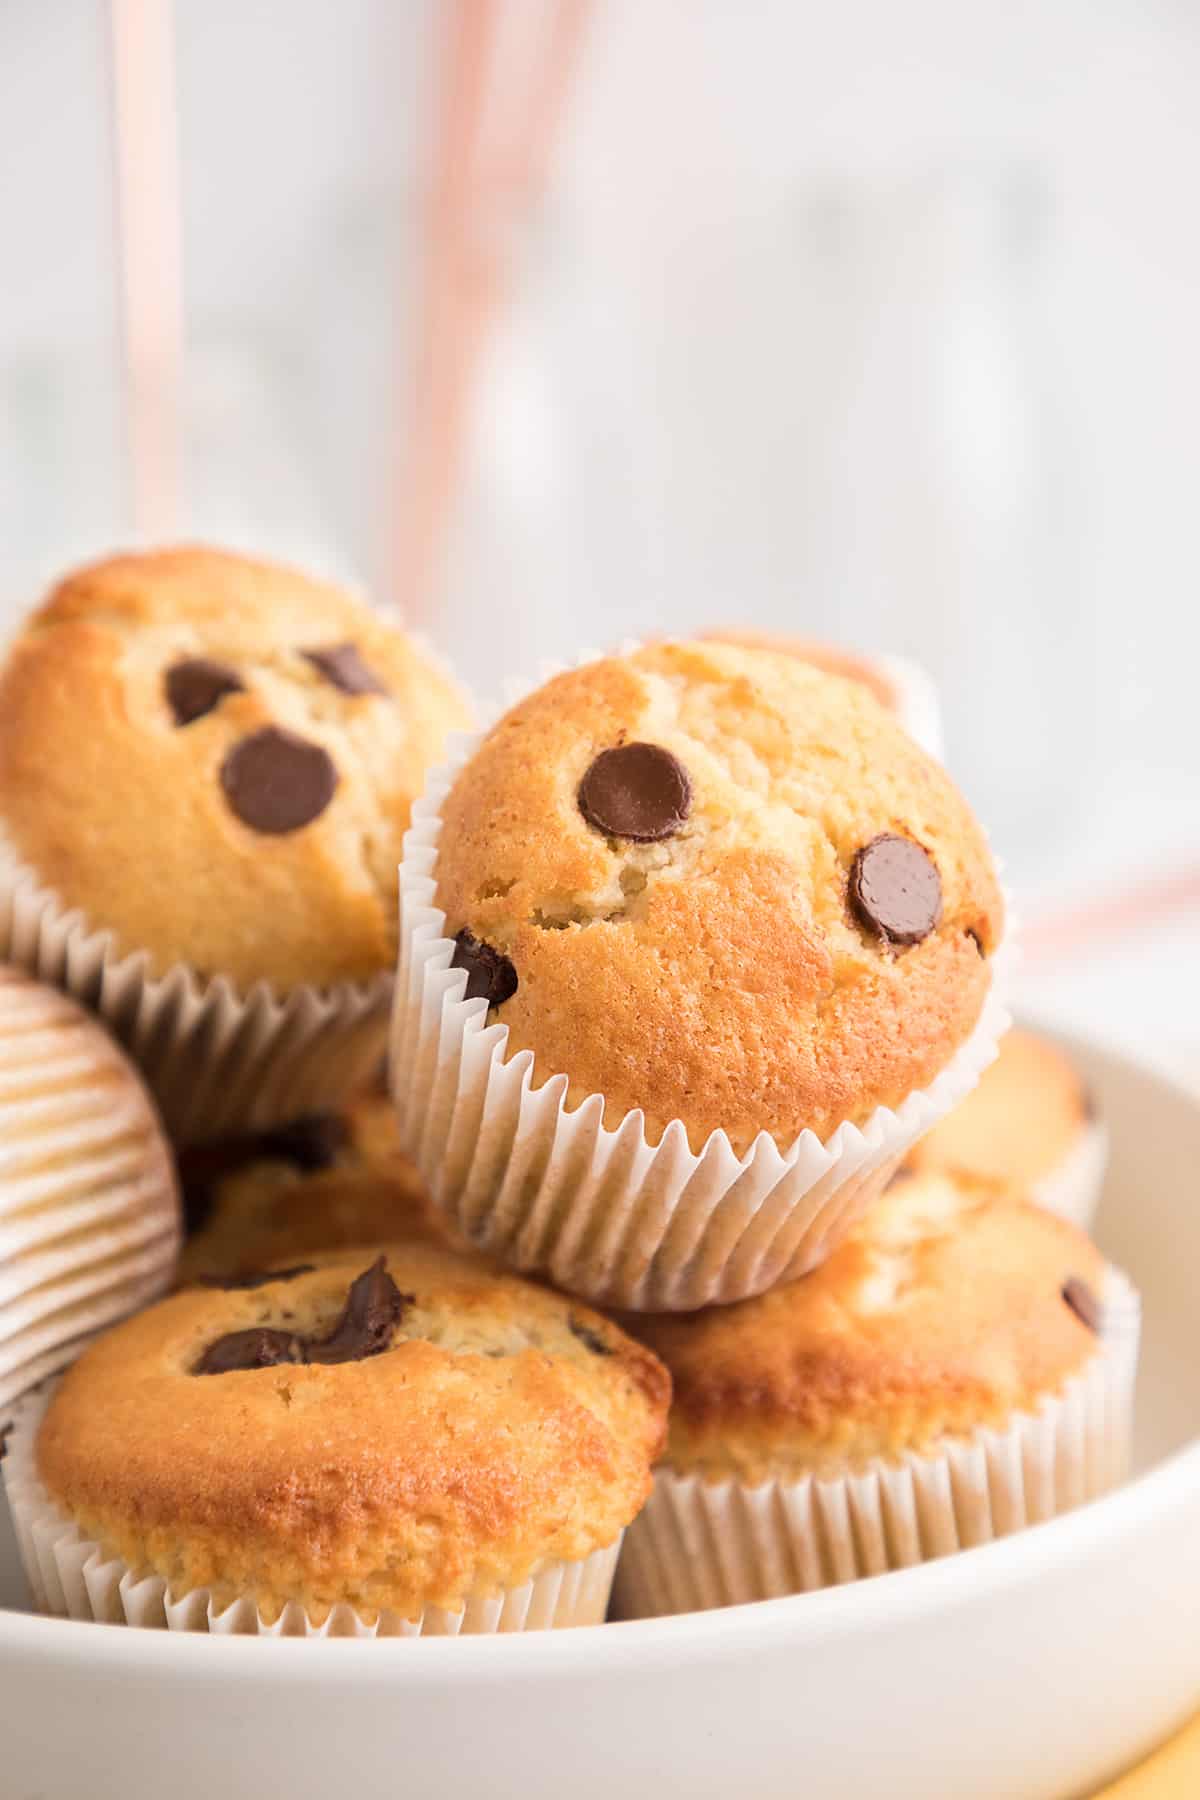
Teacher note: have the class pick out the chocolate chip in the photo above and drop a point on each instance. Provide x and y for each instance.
(895, 889)
(311, 1143)
(277, 782)
(637, 791)
(371, 1314)
(259, 1347)
(490, 975)
(343, 665)
(372, 1311)
(196, 685)
(261, 1278)
(1082, 1301)
(587, 1334)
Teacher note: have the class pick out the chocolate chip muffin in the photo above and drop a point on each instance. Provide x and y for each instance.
(716, 896)
(214, 760)
(961, 1366)
(89, 1206)
(321, 1183)
(388, 1439)
(717, 886)
(1030, 1125)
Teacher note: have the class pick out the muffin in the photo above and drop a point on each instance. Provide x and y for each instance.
(207, 766)
(89, 1210)
(900, 685)
(392, 1441)
(960, 1367)
(735, 934)
(1030, 1125)
(322, 1183)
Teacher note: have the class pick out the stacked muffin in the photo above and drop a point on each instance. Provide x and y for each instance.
(699, 953)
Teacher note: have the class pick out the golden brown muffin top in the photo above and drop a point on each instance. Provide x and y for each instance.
(721, 886)
(1017, 1126)
(216, 759)
(830, 657)
(944, 1311)
(487, 1426)
(324, 1182)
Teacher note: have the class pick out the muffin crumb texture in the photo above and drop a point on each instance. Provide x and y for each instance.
(952, 1306)
(730, 890)
(479, 1435)
(216, 760)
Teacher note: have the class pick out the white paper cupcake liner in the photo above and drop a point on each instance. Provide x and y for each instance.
(698, 1545)
(90, 1221)
(600, 1210)
(70, 1576)
(219, 1062)
(1073, 1189)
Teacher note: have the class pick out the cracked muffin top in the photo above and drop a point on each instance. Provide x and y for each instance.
(721, 886)
(319, 1183)
(215, 759)
(391, 1428)
(950, 1306)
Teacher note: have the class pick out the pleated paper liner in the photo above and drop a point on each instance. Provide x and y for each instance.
(698, 1544)
(89, 1208)
(69, 1575)
(602, 1211)
(218, 1062)
(1073, 1189)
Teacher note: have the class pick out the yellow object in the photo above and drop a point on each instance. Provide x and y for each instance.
(1172, 1773)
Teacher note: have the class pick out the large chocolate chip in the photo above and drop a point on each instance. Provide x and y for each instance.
(587, 1334)
(637, 791)
(195, 686)
(261, 1278)
(1082, 1301)
(343, 666)
(258, 1347)
(895, 889)
(277, 782)
(372, 1311)
(311, 1143)
(490, 975)
(371, 1314)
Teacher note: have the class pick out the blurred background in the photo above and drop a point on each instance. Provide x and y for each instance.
(553, 323)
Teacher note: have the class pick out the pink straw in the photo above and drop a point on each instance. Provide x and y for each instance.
(480, 186)
(149, 256)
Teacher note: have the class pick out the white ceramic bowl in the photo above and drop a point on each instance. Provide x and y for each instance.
(1035, 1667)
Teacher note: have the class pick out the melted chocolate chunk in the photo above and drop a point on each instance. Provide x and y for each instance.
(637, 791)
(490, 975)
(258, 1347)
(1082, 1301)
(260, 1278)
(310, 1144)
(342, 665)
(587, 1334)
(195, 686)
(895, 889)
(373, 1309)
(277, 782)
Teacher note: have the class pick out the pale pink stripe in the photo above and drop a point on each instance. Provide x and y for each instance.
(149, 256)
(1060, 935)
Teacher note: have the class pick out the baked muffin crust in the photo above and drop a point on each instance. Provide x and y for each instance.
(1020, 1123)
(216, 759)
(504, 1426)
(717, 973)
(325, 1183)
(943, 1311)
